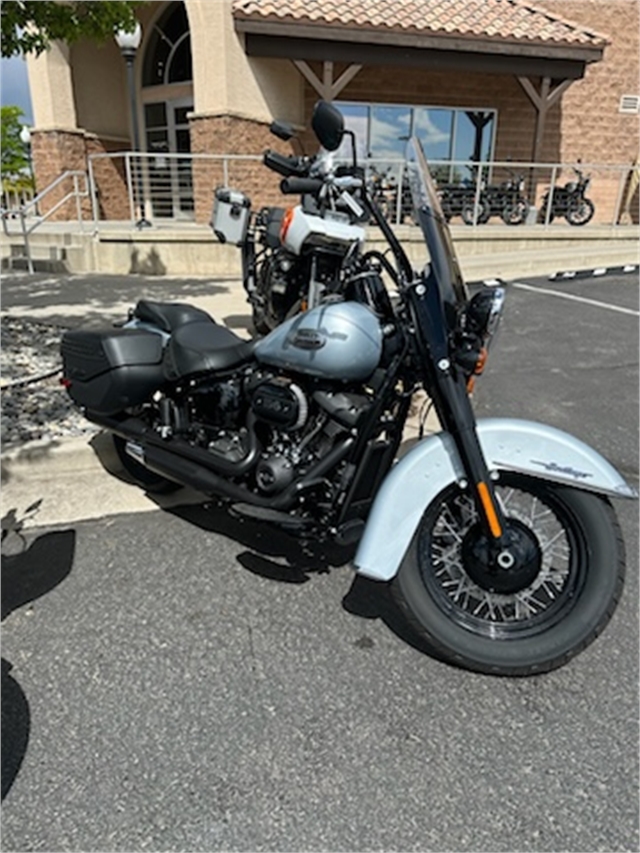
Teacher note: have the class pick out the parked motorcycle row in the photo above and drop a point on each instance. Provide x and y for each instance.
(497, 537)
(506, 200)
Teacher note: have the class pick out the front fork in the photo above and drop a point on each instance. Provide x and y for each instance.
(453, 405)
(458, 418)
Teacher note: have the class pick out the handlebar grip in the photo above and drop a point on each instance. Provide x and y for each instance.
(284, 165)
(300, 186)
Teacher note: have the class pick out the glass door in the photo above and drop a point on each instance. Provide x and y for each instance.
(170, 178)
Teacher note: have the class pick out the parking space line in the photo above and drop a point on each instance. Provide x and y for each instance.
(521, 286)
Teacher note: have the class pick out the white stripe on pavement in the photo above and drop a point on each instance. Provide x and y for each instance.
(573, 298)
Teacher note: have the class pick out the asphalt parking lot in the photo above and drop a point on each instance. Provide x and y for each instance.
(179, 680)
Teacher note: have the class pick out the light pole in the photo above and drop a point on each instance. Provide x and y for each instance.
(129, 44)
(25, 138)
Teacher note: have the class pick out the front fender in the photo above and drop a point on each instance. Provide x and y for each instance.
(414, 482)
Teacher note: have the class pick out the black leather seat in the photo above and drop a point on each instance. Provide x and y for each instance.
(203, 347)
(169, 315)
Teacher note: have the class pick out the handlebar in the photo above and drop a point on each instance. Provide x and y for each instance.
(300, 186)
(285, 165)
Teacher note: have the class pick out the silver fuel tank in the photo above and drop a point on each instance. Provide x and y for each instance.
(342, 340)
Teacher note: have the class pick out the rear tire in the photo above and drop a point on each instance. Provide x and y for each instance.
(538, 627)
(482, 213)
(580, 211)
(515, 214)
(148, 480)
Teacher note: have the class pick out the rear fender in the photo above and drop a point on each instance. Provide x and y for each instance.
(428, 468)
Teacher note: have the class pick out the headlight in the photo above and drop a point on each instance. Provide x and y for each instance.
(484, 311)
(478, 326)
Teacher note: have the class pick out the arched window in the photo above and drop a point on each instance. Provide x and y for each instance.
(168, 54)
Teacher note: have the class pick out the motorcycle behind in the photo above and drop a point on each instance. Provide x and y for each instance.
(569, 201)
(498, 537)
(292, 257)
(506, 200)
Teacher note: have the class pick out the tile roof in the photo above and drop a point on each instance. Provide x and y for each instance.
(511, 20)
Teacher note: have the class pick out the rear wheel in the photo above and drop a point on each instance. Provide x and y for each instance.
(481, 212)
(148, 480)
(515, 213)
(520, 620)
(580, 211)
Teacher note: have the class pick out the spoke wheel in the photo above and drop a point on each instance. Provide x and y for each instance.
(580, 211)
(516, 213)
(525, 618)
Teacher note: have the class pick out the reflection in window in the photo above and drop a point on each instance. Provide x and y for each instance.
(447, 134)
(434, 128)
(356, 119)
(389, 130)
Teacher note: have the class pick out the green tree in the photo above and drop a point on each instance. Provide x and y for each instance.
(29, 26)
(14, 154)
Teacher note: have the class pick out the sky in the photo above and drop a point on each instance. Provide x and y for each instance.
(14, 86)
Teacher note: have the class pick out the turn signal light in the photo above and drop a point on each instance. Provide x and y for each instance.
(478, 369)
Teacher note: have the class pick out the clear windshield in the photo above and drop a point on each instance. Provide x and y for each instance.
(428, 214)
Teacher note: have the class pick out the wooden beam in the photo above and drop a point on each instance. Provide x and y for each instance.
(542, 101)
(326, 88)
(344, 79)
(310, 75)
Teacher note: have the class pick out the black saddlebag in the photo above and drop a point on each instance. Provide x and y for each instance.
(108, 370)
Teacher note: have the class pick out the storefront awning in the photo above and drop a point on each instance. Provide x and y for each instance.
(494, 36)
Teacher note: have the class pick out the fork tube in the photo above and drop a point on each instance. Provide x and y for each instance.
(453, 406)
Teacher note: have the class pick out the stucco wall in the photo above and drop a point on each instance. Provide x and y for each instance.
(592, 126)
(226, 81)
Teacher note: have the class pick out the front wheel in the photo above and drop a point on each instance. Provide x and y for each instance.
(520, 620)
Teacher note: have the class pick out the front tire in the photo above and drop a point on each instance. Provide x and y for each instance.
(576, 586)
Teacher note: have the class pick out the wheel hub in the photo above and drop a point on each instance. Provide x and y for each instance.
(512, 568)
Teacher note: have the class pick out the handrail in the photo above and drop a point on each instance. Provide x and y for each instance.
(22, 211)
(157, 183)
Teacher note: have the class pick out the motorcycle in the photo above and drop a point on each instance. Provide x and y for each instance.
(506, 200)
(459, 199)
(291, 258)
(497, 536)
(569, 201)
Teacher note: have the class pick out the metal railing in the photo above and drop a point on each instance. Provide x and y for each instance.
(178, 187)
(30, 210)
(172, 188)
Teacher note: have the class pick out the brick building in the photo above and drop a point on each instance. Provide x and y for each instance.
(486, 79)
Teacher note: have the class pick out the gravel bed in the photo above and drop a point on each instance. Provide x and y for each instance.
(41, 409)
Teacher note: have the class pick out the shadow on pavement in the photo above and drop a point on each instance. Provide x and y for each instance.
(29, 571)
(16, 723)
(277, 556)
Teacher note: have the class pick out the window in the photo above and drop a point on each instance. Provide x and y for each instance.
(168, 56)
(447, 134)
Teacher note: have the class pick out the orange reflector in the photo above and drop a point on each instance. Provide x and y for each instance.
(482, 360)
(287, 219)
(489, 510)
